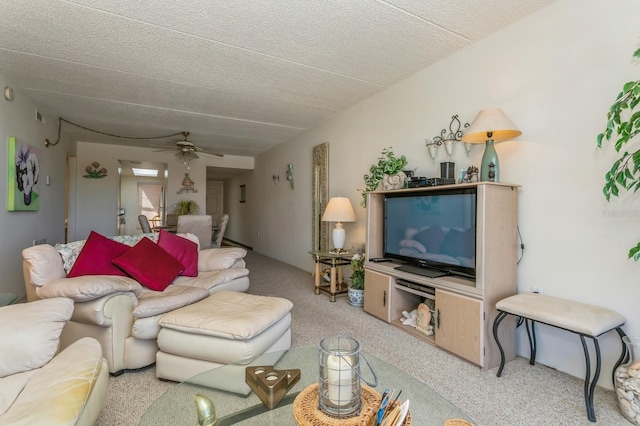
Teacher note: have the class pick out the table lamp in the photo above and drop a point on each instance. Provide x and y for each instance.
(339, 210)
(489, 126)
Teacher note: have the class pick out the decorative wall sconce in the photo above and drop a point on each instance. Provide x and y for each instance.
(94, 171)
(290, 174)
(447, 139)
(276, 178)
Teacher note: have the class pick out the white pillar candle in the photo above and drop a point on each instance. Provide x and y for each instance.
(339, 379)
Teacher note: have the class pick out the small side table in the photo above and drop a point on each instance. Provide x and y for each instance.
(336, 261)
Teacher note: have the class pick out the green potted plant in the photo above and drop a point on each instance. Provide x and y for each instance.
(623, 125)
(388, 164)
(186, 207)
(356, 286)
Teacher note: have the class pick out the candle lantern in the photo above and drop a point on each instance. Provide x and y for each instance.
(339, 376)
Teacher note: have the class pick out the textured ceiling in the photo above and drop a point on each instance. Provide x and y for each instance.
(241, 76)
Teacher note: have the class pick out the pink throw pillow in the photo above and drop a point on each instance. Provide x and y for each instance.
(96, 256)
(149, 264)
(183, 250)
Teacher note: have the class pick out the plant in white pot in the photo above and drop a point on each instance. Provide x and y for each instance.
(389, 169)
(356, 286)
(623, 125)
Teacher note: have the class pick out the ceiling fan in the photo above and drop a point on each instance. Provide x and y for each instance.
(187, 150)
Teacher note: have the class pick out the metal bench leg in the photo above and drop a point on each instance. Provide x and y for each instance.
(624, 356)
(531, 334)
(589, 383)
(496, 324)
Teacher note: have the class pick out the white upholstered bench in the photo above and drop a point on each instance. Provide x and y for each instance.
(580, 318)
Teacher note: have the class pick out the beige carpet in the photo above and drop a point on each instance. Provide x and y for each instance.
(524, 395)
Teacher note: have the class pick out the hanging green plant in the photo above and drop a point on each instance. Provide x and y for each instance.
(623, 125)
(388, 164)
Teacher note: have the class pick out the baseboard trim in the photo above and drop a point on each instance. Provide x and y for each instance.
(235, 243)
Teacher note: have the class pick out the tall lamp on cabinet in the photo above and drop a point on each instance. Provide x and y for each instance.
(339, 210)
(490, 125)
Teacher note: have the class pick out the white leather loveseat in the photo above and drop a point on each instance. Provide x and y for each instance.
(38, 386)
(118, 311)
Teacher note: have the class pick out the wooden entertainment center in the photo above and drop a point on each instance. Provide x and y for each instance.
(464, 308)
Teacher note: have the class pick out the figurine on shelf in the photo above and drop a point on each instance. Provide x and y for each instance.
(423, 321)
(472, 174)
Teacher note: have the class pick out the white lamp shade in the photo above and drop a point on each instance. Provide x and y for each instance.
(339, 210)
(490, 121)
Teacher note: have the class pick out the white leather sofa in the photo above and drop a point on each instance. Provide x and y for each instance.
(117, 310)
(38, 387)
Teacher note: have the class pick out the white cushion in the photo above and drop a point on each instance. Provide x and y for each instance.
(173, 297)
(210, 279)
(45, 264)
(29, 333)
(57, 394)
(229, 315)
(88, 287)
(219, 258)
(10, 388)
(582, 318)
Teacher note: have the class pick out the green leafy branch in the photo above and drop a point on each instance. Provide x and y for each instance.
(388, 164)
(623, 124)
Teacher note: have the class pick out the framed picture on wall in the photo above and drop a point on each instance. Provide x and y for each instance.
(24, 173)
(243, 193)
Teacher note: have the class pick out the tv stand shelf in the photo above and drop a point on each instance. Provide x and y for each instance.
(465, 308)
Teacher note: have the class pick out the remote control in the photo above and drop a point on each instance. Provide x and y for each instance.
(379, 259)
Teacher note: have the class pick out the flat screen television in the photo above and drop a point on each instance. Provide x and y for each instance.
(432, 232)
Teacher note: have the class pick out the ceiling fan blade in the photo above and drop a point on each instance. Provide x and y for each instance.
(215, 154)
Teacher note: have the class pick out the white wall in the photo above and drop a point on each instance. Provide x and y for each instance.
(19, 229)
(97, 198)
(554, 73)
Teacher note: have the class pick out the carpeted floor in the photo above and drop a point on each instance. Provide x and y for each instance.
(524, 395)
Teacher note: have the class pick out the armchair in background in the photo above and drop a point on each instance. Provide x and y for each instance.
(200, 225)
(219, 233)
(144, 224)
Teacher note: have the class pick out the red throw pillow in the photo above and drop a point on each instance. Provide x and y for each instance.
(96, 256)
(149, 264)
(182, 249)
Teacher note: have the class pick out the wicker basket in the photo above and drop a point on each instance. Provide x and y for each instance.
(306, 413)
(457, 422)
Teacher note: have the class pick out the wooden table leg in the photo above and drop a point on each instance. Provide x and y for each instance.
(318, 277)
(332, 293)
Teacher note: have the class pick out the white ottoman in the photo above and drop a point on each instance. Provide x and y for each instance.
(227, 327)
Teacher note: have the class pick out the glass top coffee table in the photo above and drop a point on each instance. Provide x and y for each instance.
(177, 405)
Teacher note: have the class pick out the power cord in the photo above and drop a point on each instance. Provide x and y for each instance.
(521, 245)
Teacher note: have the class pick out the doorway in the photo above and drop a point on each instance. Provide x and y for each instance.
(141, 191)
(215, 197)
